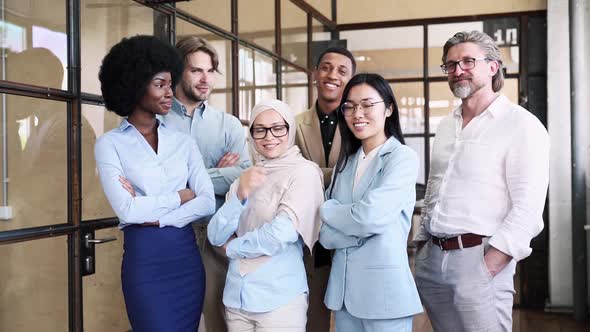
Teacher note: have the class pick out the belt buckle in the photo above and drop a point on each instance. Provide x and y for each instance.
(441, 241)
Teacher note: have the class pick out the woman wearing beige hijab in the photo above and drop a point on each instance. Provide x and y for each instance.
(270, 214)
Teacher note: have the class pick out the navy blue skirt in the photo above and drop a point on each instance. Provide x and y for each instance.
(163, 279)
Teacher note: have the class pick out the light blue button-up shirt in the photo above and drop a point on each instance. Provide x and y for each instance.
(216, 133)
(276, 282)
(156, 177)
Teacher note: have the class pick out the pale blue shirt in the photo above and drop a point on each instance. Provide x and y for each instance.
(276, 282)
(156, 177)
(215, 133)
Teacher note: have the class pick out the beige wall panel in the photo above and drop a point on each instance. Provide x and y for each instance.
(350, 11)
(216, 12)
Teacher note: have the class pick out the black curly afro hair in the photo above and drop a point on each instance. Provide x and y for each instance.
(130, 65)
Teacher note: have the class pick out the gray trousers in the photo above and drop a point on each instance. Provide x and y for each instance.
(459, 292)
(216, 265)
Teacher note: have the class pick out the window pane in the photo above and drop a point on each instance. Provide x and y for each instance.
(34, 43)
(216, 12)
(34, 285)
(257, 80)
(319, 31)
(295, 89)
(103, 24)
(96, 121)
(410, 101)
(36, 161)
(390, 52)
(442, 102)
(417, 144)
(256, 22)
(320, 41)
(294, 33)
(220, 98)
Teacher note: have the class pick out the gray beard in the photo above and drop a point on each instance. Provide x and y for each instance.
(462, 91)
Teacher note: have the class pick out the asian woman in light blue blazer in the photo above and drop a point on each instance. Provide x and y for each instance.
(367, 214)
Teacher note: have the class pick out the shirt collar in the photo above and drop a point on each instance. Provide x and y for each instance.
(331, 116)
(125, 124)
(371, 154)
(495, 108)
(179, 108)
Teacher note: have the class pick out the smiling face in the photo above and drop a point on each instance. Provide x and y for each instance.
(367, 124)
(331, 75)
(466, 83)
(158, 95)
(270, 147)
(198, 77)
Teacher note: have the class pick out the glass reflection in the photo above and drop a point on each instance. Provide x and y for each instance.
(30, 36)
(99, 121)
(257, 80)
(397, 54)
(103, 24)
(35, 193)
(410, 101)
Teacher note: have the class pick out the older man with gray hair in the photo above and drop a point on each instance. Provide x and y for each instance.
(485, 194)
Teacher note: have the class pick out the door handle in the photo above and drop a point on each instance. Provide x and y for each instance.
(587, 228)
(89, 240)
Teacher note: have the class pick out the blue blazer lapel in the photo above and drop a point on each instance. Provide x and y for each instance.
(368, 177)
(374, 168)
(345, 181)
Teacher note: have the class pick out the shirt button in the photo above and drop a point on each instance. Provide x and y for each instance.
(329, 143)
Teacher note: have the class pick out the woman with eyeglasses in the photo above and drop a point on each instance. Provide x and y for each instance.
(270, 215)
(367, 214)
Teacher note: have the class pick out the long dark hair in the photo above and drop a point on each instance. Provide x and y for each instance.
(351, 144)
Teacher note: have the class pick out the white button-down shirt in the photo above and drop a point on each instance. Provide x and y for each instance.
(489, 178)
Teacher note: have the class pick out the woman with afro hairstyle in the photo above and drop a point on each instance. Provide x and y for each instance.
(156, 183)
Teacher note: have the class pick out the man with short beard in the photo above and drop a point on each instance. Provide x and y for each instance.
(220, 138)
(485, 195)
(318, 138)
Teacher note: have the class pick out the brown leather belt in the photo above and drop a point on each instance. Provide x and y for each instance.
(461, 241)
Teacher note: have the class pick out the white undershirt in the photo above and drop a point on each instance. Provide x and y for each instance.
(363, 163)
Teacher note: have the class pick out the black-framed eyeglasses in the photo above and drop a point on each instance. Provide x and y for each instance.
(348, 108)
(465, 64)
(276, 131)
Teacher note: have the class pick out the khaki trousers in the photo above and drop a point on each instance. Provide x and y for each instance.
(216, 265)
(288, 318)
